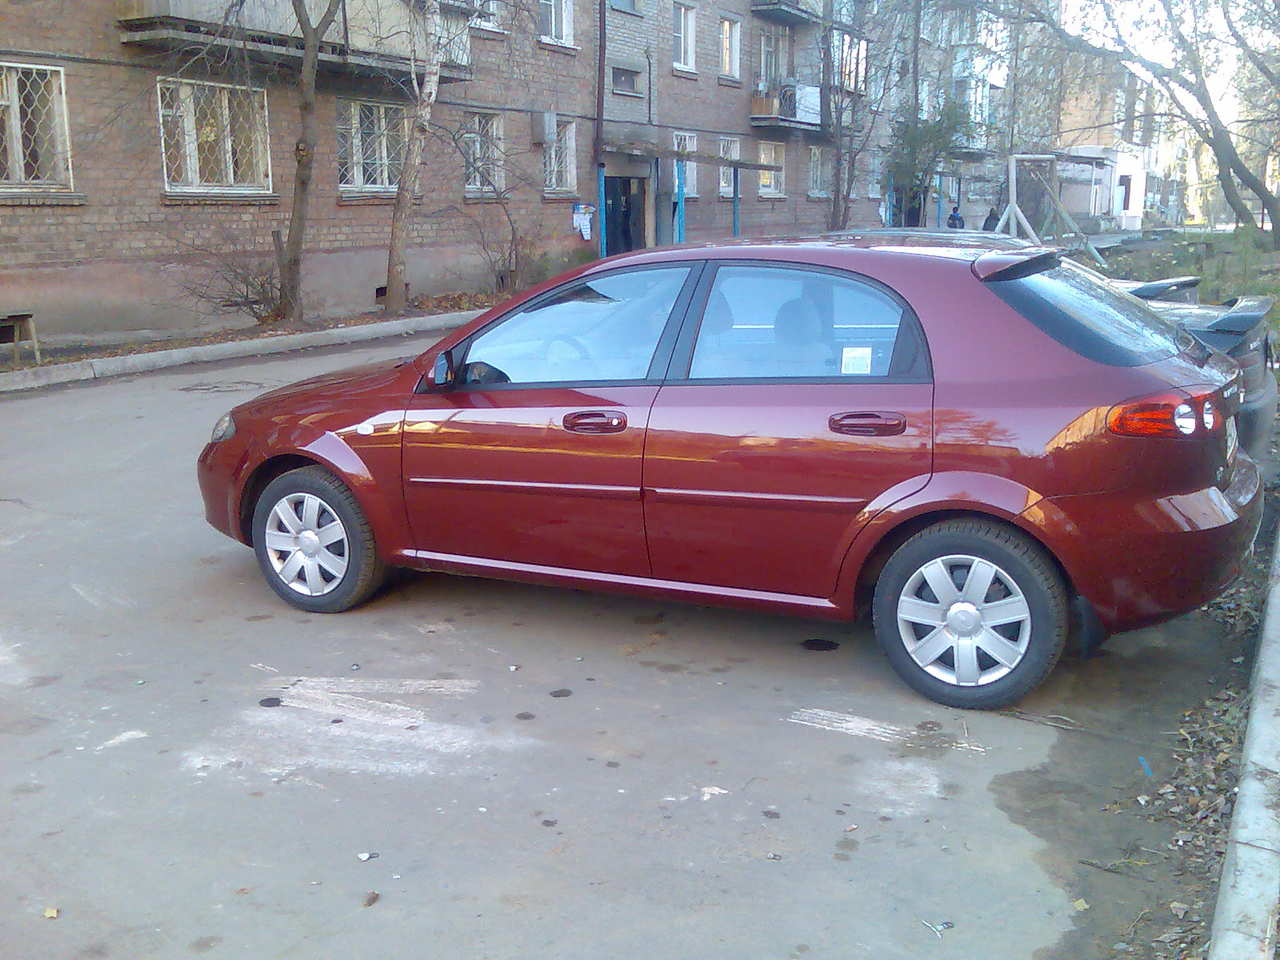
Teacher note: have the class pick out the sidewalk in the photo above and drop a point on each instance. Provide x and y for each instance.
(99, 367)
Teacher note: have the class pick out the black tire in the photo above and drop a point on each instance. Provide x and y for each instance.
(365, 571)
(1036, 576)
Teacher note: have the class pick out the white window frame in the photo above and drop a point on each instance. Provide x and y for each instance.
(561, 11)
(191, 160)
(875, 171)
(773, 183)
(474, 139)
(681, 140)
(731, 149)
(734, 51)
(356, 168)
(486, 15)
(561, 155)
(684, 37)
(613, 72)
(8, 95)
(819, 185)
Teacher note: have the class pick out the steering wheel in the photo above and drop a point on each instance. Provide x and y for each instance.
(583, 354)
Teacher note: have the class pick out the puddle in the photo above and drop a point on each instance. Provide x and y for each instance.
(816, 644)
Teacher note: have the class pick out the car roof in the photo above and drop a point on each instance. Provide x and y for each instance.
(916, 236)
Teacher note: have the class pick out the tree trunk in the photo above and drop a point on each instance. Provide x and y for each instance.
(397, 273)
(304, 154)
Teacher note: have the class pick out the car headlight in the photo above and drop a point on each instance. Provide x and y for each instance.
(223, 429)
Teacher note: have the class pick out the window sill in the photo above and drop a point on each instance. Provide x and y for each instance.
(627, 10)
(481, 196)
(560, 196)
(686, 73)
(559, 46)
(41, 198)
(772, 196)
(355, 198)
(628, 93)
(727, 81)
(195, 197)
(811, 195)
(488, 32)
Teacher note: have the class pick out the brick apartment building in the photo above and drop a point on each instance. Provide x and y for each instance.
(144, 142)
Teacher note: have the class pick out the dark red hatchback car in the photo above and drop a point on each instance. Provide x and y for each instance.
(987, 449)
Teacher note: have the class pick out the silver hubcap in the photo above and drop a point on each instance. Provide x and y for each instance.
(964, 620)
(307, 544)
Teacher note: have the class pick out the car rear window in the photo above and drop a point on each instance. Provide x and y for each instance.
(1085, 313)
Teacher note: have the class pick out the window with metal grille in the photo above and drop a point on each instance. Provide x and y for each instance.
(482, 149)
(486, 14)
(730, 149)
(214, 137)
(556, 20)
(772, 182)
(371, 141)
(687, 142)
(559, 160)
(683, 36)
(34, 149)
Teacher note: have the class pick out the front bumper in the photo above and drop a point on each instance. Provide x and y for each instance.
(1139, 560)
(217, 470)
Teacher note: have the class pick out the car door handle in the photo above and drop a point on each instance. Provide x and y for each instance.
(868, 423)
(595, 421)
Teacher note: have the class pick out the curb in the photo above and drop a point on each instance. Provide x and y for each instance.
(159, 359)
(1244, 920)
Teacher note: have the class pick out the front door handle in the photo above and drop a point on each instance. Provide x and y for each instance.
(595, 421)
(868, 423)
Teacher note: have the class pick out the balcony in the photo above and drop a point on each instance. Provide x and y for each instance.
(787, 105)
(788, 11)
(373, 39)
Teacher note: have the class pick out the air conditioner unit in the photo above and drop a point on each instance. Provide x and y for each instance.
(542, 127)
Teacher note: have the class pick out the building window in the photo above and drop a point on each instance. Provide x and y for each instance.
(628, 6)
(818, 186)
(772, 182)
(875, 174)
(214, 137)
(486, 14)
(730, 149)
(683, 56)
(34, 147)
(371, 140)
(556, 20)
(482, 151)
(687, 142)
(559, 160)
(626, 81)
(849, 61)
(730, 47)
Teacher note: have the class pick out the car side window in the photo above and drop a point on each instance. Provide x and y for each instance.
(603, 328)
(774, 322)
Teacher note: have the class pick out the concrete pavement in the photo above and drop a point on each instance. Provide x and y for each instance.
(693, 794)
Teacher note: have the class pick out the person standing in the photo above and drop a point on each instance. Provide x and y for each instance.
(992, 220)
(955, 221)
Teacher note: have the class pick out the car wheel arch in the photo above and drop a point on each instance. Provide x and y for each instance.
(894, 535)
(258, 479)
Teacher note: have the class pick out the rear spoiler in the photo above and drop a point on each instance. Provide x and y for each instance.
(1160, 289)
(1245, 314)
(1012, 264)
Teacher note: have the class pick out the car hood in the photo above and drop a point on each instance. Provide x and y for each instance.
(366, 379)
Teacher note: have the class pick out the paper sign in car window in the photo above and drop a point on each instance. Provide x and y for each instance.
(855, 361)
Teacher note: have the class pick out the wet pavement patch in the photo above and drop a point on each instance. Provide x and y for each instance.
(562, 693)
(524, 716)
(269, 702)
(549, 823)
(772, 814)
(816, 644)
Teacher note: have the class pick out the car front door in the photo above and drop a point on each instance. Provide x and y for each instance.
(799, 401)
(532, 456)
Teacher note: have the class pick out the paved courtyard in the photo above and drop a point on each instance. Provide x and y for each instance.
(188, 767)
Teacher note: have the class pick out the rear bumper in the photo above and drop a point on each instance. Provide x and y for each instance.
(1139, 560)
(1256, 418)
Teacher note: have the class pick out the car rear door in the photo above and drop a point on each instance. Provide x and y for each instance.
(533, 456)
(798, 402)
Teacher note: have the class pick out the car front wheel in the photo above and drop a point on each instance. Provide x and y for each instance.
(313, 543)
(971, 613)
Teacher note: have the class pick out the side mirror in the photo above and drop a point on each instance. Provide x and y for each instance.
(444, 373)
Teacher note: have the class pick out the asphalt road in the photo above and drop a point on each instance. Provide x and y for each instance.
(704, 786)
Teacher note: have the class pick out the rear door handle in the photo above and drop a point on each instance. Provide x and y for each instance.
(595, 421)
(868, 423)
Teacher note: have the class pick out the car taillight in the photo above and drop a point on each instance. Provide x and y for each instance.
(1172, 414)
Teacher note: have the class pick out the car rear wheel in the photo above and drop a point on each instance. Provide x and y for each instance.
(971, 613)
(313, 543)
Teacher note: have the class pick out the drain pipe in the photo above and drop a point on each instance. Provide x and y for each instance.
(598, 146)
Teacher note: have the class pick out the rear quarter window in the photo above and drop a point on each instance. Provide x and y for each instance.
(1086, 314)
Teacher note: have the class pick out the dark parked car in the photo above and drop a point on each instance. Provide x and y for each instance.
(979, 446)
